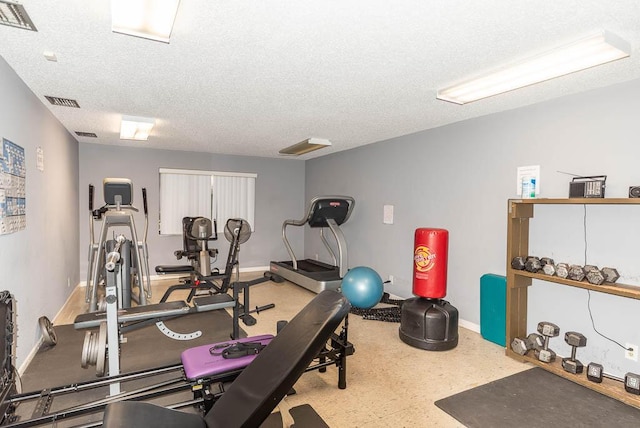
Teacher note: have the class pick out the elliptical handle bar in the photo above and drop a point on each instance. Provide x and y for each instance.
(144, 200)
(90, 197)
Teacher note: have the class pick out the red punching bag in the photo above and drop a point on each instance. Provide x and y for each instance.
(430, 263)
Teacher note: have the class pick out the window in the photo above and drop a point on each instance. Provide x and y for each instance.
(212, 194)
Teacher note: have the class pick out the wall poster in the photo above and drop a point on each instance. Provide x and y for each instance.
(13, 175)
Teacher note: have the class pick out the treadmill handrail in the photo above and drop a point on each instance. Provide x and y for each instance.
(306, 219)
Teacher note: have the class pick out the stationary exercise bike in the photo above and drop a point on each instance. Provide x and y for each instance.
(196, 235)
(197, 232)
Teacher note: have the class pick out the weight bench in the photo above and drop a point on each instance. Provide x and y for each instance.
(261, 385)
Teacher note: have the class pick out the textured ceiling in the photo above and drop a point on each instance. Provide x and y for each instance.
(250, 77)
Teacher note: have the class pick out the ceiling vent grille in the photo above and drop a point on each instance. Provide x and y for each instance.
(86, 134)
(62, 102)
(14, 15)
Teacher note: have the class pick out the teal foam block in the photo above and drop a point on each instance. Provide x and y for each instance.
(493, 308)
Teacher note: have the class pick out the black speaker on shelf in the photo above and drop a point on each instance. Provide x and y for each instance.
(634, 192)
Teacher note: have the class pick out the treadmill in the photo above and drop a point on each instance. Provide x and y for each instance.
(323, 212)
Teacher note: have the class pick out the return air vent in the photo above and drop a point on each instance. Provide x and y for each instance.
(86, 134)
(62, 102)
(14, 15)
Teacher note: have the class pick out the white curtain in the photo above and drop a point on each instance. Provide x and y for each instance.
(183, 195)
(215, 195)
(234, 197)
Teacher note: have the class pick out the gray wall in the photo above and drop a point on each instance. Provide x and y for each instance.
(460, 176)
(39, 264)
(279, 192)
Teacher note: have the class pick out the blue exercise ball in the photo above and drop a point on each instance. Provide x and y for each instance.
(363, 287)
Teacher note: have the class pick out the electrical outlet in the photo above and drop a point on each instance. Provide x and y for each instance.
(631, 353)
(317, 257)
(391, 279)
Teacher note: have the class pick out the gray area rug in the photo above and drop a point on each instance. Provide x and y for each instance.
(537, 398)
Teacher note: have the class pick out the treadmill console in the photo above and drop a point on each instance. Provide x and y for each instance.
(323, 209)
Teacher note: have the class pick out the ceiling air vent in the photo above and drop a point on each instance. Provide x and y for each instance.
(86, 134)
(62, 102)
(14, 15)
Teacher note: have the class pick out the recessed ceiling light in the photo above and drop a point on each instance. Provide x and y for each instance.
(149, 19)
(136, 128)
(306, 146)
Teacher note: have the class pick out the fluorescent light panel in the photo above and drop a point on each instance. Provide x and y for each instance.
(14, 14)
(149, 19)
(306, 146)
(136, 128)
(591, 51)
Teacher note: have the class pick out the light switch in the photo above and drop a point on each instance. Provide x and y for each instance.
(387, 217)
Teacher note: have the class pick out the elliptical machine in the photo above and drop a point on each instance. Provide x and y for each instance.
(118, 212)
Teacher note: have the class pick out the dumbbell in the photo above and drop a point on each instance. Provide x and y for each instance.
(549, 269)
(532, 264)
(611, 274)
(575, 340)
(537, 341)
(576, 273)
(518, 263)
(562, 270)
(548, 330)
(546, 261)
(632, 383)
(521, 346)
(594, 275)
(548, 266)
(595, 372)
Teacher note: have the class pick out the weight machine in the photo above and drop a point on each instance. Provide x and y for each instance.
(308, 342)
(118, 213)
(114, 321)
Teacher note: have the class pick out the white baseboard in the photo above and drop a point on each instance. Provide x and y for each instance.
(32, 354)
(461, 323)
(469, 325)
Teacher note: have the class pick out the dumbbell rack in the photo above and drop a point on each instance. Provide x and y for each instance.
(519, 213)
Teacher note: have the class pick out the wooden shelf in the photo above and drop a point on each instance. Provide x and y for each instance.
(578, 201)
(520, 212)
(609, 387)
(617, 289)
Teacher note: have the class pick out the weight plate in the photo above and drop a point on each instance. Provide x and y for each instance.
(101, 350)
(48, 333)
(231, 229)
(85, 359)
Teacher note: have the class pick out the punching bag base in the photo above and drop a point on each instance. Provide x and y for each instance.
(430, 324)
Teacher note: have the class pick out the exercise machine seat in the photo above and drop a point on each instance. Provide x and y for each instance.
(261, 386)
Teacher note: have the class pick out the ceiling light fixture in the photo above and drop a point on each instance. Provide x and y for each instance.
(136, 128)
(585, 53)
(306, 146)
(149, 19)
(13, 14)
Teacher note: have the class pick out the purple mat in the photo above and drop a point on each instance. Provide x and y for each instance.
(199, 362)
